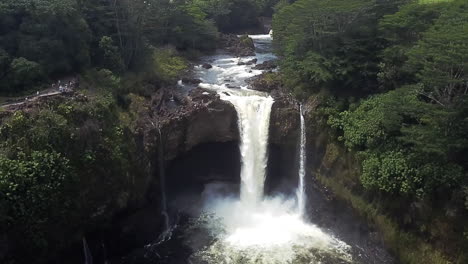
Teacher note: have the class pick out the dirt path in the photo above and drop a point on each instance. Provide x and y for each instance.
(63, 85)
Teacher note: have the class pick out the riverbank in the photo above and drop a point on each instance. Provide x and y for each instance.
(339, 171)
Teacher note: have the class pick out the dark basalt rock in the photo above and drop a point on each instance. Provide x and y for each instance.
(267, 65)
(239, 46)
(230, 86)
(203, 117)
(285, 121)
(207, 66)
(250, 62)
(266, 82)
(200, 118)
(191, 81)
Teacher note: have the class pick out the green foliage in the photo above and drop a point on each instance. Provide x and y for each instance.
(111, 56)
(400, 172)
(50, 35)
(49, 39)
(25, 73)
(33, 192)
(246, 41)
(236, 15)
(377, 120)
(402, 31)
(5, 60)
(327, 44)
(406, 63)
(465, 191)
(411, 138)
(432, 1)
(406, 144)
(57, 165)
(441, 56)
(58, 38)
(168, 65)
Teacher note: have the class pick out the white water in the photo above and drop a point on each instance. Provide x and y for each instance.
(301, 191)
(255, 228)
(254, 122)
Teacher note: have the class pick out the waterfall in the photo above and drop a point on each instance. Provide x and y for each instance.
(162, 177)
(257, 228)
(254, 122)
(88, 258)
(301, 192)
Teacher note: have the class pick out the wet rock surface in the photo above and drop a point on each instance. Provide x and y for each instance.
(202, 117)
(187, 121)
(250, 62)
(267, 65)
(267, 82)
(207, 66)
(191, 81)
(239, 46)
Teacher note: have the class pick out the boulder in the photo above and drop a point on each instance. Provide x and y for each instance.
(267, 65)
(191, 81)
(250, 62)
(230, 86)
(239, 46)
(266, 82)
(207, 66)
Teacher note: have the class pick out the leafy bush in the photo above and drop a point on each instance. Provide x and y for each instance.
(168, 65)
(398, 157)
(327, 44)
(57, 165)
(34, 193)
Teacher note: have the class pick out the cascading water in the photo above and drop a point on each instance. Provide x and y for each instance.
(162, 176)
(255, 228)
(254, 121)
(301, 191)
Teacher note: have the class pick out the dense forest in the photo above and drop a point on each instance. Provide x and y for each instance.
(123, 52)
(409, 68)
(42, 40)
(393, 80)
(391, 77)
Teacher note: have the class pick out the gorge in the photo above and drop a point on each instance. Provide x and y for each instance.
(244, 214)
(233, 131)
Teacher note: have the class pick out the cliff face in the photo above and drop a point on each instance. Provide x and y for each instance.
(196, 131)
(203, 117)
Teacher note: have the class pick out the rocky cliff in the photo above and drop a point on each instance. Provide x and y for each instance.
(202, 117)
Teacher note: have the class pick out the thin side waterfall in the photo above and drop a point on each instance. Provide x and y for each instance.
(88, 258)
(254, 122)
(162, 177)
(301, 191)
